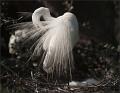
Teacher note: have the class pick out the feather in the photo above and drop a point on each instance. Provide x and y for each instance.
(56, 36)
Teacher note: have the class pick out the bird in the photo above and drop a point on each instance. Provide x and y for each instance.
(53, 37)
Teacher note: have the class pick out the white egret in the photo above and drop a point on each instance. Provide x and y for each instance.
(56, 36)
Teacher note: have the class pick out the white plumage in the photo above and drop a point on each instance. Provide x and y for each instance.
(56, 36)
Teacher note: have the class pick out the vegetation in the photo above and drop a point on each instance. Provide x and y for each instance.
(96, 54)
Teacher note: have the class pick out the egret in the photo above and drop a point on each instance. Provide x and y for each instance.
(55, 36)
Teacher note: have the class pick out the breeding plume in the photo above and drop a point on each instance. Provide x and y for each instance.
(53, 38)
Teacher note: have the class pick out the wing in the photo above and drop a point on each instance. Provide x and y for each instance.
(59, 56)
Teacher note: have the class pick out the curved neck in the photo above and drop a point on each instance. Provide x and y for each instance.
(41, 12)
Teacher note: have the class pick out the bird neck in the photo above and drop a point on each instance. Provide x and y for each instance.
(40, 13)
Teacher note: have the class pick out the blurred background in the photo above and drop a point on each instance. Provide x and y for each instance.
(97, 51)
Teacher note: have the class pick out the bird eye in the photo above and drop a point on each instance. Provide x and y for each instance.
(42, 18)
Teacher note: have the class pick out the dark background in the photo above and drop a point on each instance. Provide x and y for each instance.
(96, 18)
(94, 55)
